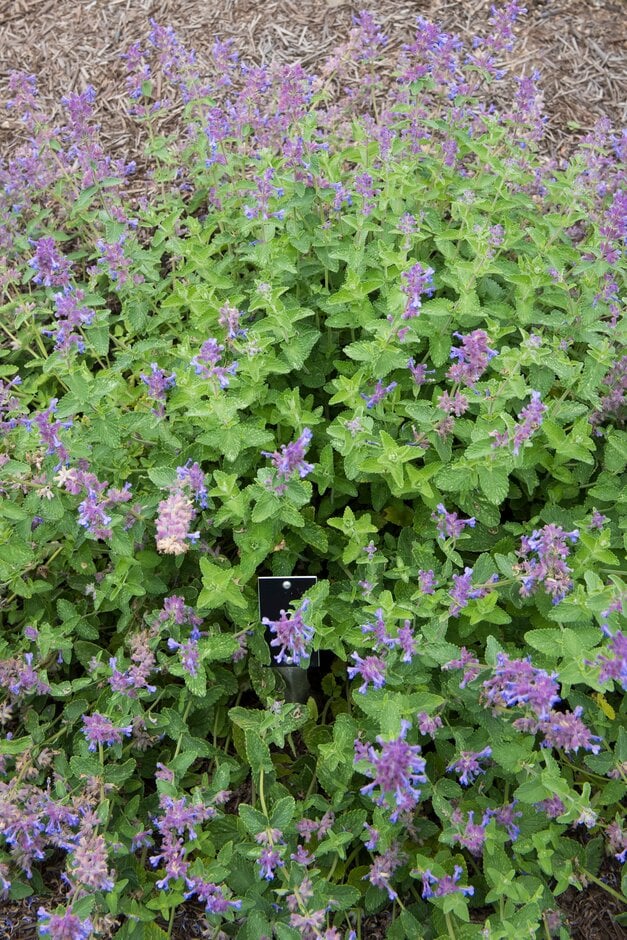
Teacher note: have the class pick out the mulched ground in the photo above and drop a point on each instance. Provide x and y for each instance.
(579, 47)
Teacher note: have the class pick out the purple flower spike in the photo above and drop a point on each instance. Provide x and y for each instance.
(567, 731)
(530, 419)
(52, 268)
(292, 635)
(98, 729)
(396, 770)
(544, 555)
(268, 861)
(63, 926)
(472, 358)
(379, 393)
(291, 457)
(449, 525)
(158, 383)
(416, 281)
(467, 662)
(516, 682)
(371, 669)
(449, 884)
(467, 765)
(206, 363)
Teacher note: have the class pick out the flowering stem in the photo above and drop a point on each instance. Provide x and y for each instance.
(449, 926)
(262, 798)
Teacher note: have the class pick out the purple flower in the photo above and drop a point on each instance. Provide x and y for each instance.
(113, 260)
(176, 513)
(136, 676)
(382, 638)
(384, 867)
(456, 404)
(530, 419)
(468, 663)
(88, 864)
(365, 188)
(448, 884)
(5, 884)
(158, 382)
(426, 581)
(449, 525)
(301, 856)
(614, 667)
(49, 430)
(211, 895)
(373, 837)
(517, 682)
(472, 358)
(462, 591)
(51, 266)
(371, 669)
(291, 634)
(379, 393)
(552, 806)
(191, 475)
(416, 281)
(407, 641)
(428, 725)
(92, 510)
(472, 836)
(467, 765)
(206, 363)
(617, 840)
(597, 520)
(268, 861)
(229, 319)
(177, 819)
(190, 654)
(419, 371)
(142, 839)
(366, 37)
(174, 607)
(70, 314)
(506, 816)
(567, 731)
(65, 926)
(396, 770)
(291, 457)
(544, 555)
(20, 677)
(98, 729)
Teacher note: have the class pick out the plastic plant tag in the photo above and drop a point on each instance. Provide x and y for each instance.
(276, 594)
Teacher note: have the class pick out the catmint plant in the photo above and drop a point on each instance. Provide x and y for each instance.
(355, 325)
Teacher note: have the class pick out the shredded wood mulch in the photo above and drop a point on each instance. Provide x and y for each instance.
(578, 46)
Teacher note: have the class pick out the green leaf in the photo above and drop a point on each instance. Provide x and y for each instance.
(15, 746)
(254, 821)
(257, 752)
(283, 813)
(494, 483)
(220, 587)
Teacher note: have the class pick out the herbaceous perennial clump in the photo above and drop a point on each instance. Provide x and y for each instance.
(356, 327)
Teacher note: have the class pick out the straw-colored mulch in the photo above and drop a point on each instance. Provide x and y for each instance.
(579, 46)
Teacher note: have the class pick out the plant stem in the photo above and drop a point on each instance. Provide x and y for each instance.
(597, 881)
(262, 798)
(449, 926)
